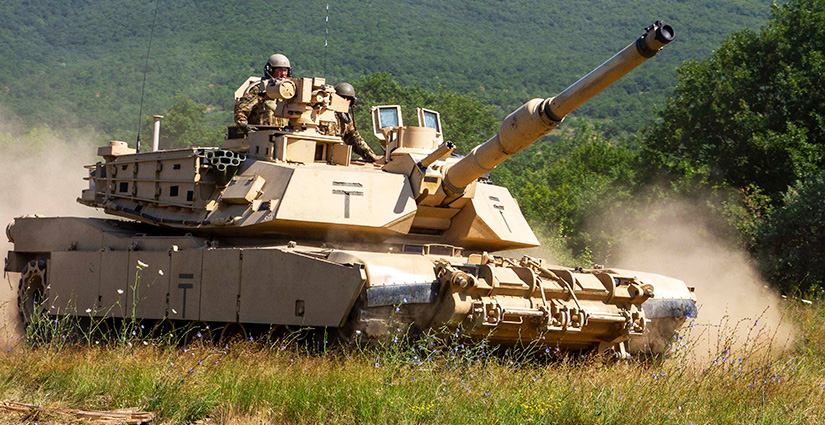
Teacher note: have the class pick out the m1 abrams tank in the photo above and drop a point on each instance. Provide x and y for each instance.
(280, 228)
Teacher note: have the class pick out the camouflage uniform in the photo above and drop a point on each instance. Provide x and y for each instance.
(345, 129)
(251, 109)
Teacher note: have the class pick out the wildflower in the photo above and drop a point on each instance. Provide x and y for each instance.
(142, 265)
(88, 310)
(199, 334)
(134, 333)
(120, 291)
(174, 311)
(621, 397)
(160, 272)
(486, 395)
(185, 350)
(171, 363)
(145, 343)
(129, 343)
(190, 370)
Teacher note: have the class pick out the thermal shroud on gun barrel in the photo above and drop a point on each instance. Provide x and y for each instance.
(538, 117)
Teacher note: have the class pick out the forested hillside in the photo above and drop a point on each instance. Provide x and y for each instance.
(73, 63)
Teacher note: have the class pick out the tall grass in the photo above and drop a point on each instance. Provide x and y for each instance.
(431, 379)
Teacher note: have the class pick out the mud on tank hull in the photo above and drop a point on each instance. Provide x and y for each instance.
(113, 268)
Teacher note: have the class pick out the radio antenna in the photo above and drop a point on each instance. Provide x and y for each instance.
(326, 39)
(145, 71)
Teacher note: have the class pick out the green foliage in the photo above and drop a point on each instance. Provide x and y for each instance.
(562, 183)
(182, 125)
(752, 116)
(71, 63)
(465, 119)
(791, 241)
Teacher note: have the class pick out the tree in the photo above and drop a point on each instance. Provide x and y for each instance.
(751, 116)
(791, 242)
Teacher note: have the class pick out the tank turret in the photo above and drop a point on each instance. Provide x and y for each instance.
(280, 227)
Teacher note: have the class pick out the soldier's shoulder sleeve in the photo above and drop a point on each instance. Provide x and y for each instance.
(245, 104)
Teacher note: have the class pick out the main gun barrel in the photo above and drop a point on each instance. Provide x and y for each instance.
(538, 117)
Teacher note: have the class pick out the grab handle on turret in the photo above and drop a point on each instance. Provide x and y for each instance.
(538, 117)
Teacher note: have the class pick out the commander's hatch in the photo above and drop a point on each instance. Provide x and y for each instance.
(388, 127)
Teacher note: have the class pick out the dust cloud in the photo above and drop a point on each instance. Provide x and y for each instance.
(42, 173)
(737, 310)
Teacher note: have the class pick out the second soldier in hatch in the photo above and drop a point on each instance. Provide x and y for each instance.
(346, 129)
(251, 109)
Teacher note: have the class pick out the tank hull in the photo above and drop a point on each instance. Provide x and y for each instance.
(119, 269)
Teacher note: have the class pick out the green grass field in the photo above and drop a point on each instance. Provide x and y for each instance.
(431, 380)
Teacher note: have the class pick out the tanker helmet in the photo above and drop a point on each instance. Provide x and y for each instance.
(347, 91)
(277, 61)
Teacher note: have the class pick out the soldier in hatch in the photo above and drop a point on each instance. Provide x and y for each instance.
(251, 109)
(346, 125)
